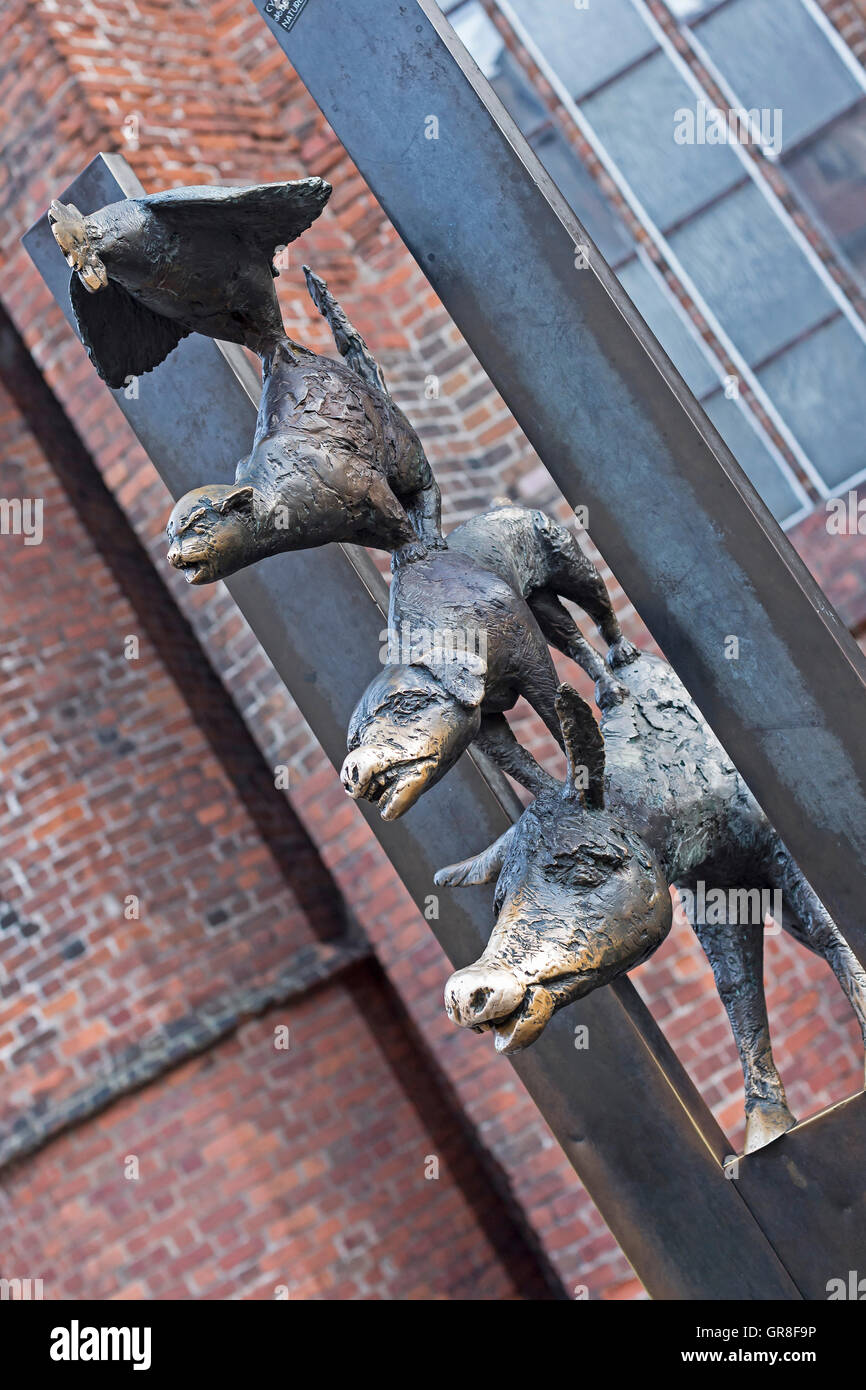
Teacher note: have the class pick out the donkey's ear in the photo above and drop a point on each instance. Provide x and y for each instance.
(584, 748)
(483, 868)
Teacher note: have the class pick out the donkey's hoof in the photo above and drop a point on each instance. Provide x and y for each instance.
(766, 1121)
(622, 653)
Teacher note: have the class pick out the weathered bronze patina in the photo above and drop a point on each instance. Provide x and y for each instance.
(477, 620)
(333, 459)
(583, 877)
(669, 781)
(148, 271)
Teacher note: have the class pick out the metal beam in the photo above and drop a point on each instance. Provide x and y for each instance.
(688, 538)
(624, 1111)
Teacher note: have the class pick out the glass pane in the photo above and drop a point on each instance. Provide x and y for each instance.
(654, 302)
(747, 443)
(772, 54)
(830, 175)
(689, 9)
(585, 47)
(754, 277)
(819, 386)
(583, 194)
(483, 40)
(636, 118)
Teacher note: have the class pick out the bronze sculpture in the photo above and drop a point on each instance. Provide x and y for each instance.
(580, 898)
(333, 459)
(500, 576)
(582, 892)
(148, 271)
(668, 780)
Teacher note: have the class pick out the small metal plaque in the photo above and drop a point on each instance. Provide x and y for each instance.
(285, 12)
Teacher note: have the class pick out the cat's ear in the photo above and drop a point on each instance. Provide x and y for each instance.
(240, 499)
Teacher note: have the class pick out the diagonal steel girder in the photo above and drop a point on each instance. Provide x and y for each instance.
(681, 526)
(624, 1111)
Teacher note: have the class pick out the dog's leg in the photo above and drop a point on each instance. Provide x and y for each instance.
(573, 576)
(562, 632)
(805, 918)
(736, 954)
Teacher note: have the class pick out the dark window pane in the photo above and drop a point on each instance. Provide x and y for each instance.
(636, 118)
(583, 195)
(819, 387)
(830, 175)
(754, 277)
(655, 303)
(585, 47)
(772, 54)
(483, 40)
(747, 443)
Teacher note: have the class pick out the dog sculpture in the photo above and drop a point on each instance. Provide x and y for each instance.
(467, 647)
(333, 459)
(499, 579)
(670, 782)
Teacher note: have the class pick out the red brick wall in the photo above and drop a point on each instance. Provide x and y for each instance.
(257, 1168)
(224, 105)
(260, 1164)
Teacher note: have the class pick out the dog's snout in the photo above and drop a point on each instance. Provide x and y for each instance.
(482, 992)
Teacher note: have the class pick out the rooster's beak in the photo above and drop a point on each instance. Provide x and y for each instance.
(70, 233)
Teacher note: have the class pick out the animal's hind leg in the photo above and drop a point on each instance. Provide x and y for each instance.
(425, 510)
(562, 632)
(574, 577)
(736, 954)
(805, 917)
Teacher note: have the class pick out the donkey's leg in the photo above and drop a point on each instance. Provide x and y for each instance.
(538, 683)
(805, 917)
(562, 632)
(736, 954)
(424, 507)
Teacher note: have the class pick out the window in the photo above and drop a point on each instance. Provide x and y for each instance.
(689, 9)
(636, 118)
(772, 54)
(583, 195)
(752, 274)
(818, 386)
(585, 47)
(483, 40)
(829, 173)
(767, 471)
(655, 303)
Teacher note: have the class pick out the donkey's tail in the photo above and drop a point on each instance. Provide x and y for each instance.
(349, 341)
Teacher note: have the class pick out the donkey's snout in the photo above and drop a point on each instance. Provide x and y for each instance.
(360, 768)
(480, 993)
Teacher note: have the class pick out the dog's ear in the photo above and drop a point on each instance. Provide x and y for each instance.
(240, 499)
(584, 748)
(462, 675)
